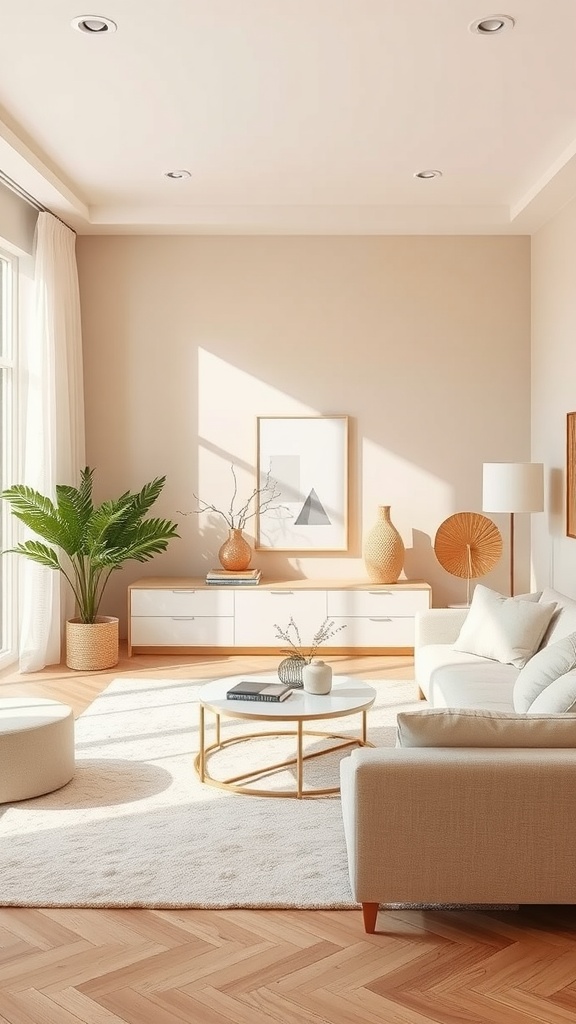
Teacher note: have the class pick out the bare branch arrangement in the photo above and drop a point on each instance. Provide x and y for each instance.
(296, 649)
(261, 500)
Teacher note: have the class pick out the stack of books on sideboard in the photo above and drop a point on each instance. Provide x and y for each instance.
(249, 577)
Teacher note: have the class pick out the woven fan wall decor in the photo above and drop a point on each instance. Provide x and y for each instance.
(468, 545)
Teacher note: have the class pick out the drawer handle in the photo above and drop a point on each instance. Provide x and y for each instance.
(183, 590)
(384, 593)
(183, 618)
(380, 618)
(288, 593)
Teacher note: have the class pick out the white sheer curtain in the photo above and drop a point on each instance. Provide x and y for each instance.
(53, 443)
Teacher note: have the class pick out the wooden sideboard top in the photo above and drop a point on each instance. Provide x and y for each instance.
(198, 582)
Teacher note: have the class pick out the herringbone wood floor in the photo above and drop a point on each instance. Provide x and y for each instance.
(276, 967)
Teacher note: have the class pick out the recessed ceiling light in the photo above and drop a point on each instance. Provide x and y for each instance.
(94, 24)
(428, 174)
(176, 175)
(492, 26)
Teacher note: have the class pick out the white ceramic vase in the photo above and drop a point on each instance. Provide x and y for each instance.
(317, 677)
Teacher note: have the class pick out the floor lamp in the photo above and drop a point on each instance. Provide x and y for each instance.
(513, 487)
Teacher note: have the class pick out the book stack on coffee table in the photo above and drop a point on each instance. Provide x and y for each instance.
(249, 577)
(250, 690)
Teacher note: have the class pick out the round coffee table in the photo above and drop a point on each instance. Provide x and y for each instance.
(348, 696)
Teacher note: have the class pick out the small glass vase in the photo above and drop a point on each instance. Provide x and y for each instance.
(235, 553)
(290, 671)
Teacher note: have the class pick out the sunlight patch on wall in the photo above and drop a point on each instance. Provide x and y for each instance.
(419, 500)
(229, 402)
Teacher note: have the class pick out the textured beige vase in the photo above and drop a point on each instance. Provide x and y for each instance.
(92, 646)
(384, 549)
(235, 553)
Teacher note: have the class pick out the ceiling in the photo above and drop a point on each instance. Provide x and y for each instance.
(292, 116)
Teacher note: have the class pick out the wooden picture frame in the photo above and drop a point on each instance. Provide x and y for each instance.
(306, 459)
(571, 474)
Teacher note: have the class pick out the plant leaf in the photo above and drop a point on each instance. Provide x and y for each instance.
(38, 552)
(96, 540)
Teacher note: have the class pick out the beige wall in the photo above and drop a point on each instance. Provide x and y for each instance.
(422, 341)
(554, 389)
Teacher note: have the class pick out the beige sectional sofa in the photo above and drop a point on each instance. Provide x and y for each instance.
(477, 803)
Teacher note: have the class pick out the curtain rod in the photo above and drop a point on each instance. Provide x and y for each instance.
(19, 191)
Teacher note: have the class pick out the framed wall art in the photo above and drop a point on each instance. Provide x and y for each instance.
(571, 474)
(306, 459)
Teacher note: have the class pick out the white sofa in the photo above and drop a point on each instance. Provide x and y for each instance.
(477, 803)
(448, 677)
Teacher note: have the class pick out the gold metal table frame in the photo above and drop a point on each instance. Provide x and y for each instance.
(239, 783)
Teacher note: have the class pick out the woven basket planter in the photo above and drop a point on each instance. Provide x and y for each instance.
(92, 646)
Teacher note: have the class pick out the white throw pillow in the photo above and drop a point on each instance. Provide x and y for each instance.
(557, 699)
(505, 629)
(547, 665)
(448, 727)
(563, 621)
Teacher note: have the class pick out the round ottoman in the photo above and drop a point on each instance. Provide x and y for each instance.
(36, 747)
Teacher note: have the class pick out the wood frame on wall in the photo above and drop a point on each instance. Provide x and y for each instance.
(307, 459)
(571, 474)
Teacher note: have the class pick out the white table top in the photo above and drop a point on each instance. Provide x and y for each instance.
(347, 696)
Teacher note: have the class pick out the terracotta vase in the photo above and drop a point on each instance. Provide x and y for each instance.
(384, 549)
(235, 553)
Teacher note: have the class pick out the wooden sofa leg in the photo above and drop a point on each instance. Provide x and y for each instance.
(370, 913)
(421, 694)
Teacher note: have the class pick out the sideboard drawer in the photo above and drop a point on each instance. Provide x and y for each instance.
(184, 631)
(182, 602)
(257, 612)
(379, 601)
(375, 631)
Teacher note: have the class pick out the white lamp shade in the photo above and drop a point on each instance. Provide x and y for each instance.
(513, 487)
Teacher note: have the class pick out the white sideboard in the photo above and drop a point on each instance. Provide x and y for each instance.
(188, 615)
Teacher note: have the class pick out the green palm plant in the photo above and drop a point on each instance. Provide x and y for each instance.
(94, 540)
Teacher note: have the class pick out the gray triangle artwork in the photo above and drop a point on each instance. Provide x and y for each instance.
(313, 512)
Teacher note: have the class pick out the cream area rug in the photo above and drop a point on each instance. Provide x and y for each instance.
(136, 828)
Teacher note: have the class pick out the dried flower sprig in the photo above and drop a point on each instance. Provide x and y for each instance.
(291, 636)
(261, 500)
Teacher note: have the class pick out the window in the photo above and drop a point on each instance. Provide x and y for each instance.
(8, 452)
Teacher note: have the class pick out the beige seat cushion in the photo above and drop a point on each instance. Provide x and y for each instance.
(477, 684)
(440, 669)
(449, 727)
